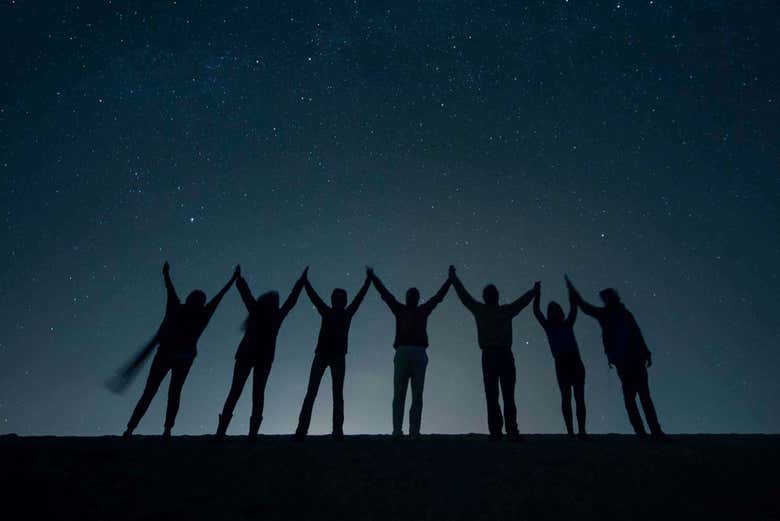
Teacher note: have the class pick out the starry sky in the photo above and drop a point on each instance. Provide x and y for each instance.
(632, 145)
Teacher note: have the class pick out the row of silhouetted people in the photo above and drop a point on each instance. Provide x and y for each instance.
(177, 337)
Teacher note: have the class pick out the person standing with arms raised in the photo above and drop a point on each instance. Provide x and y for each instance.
(330, 353)
(494, 333)
(256, 350)
(411, 342)
(626, 349)
(177, 341)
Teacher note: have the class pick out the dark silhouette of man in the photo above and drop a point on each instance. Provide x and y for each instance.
(330, 353)
(256, 350)
(177, 341)
(626, 349)
(569, 369)
(410, 344)
(494, 333)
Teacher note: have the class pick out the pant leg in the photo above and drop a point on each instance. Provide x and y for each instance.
(179, 372)
(628, 378)
(564, 384)
(318, 366)
(507, 378)
(579, 399)
(259, 380)
(490, 380)
(157, 373)
(643, 390)
(241, 371)
(401, 375)
(418, 367)
(337, 370)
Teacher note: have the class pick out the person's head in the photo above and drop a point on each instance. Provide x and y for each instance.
(268, 301)
(412, 297)
(195, 300)
(609, 296)
(554, 312)
(338, 298)
(490, 295)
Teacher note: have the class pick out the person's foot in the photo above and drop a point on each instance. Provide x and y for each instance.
(396, 437)
(127, 434)
(414, 435)
(338, 436)
(642, 435)
(583, 436)
(495, 436)
(299, 436)
(660, 436)
(514, 437)
(167, 433)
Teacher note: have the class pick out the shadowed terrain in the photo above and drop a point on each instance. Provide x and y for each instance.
(370, 477)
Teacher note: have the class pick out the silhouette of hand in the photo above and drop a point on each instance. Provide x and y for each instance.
(452, 271)
(609, 364)
(649, 361)
(166, 268)
(237, 271)
(370, 272)
(305, 274)
(537, 286)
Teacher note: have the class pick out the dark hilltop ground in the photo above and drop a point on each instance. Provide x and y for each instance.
(369, 477)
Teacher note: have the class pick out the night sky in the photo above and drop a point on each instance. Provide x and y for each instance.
(632, 145)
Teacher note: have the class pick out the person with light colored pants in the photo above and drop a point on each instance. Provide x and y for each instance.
(411, 343)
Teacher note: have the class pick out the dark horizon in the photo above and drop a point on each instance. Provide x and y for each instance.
(630, 146)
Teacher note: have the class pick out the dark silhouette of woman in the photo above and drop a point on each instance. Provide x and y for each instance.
(256, 350)
(330, 353)
(410, 344)
(177, 341)
(569, 368)
(626, 349)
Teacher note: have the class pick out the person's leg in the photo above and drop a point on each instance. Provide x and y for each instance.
(240, 373)
(337, 370)
(490, 380)
(179, 372)
(418, 367)
(318, 366)
(579, 400)
(156, 375)
(508, 376)
(628, 379)
(401, 375)
(259, 380)
(643, 390)
(565, 387)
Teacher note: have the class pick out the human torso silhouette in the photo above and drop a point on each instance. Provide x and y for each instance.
(262, 329)
(334, 332)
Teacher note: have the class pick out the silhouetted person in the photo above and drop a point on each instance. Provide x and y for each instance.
(569, 368)
(494, 333)
(330, 353)
(256, 350)
(177, 341)
(411, 359)
(626, 349)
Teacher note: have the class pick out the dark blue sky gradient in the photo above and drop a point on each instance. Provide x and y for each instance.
(632, 145)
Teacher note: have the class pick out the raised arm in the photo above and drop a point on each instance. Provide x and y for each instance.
(246, 293)
(464, 295)
(388, 297)
(439, 296)
(292, 299)
(322, 308)
(173, 297)
(212, 304)
(520, 303)
(572, 309)
(587, 308)
(361, 294)
(538, 311)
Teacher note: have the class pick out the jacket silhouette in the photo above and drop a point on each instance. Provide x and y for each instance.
(256, 350)
(626, 349)
(177, 340)
(569, 369)
(494, 334)
(411, 341)
(330, 353)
